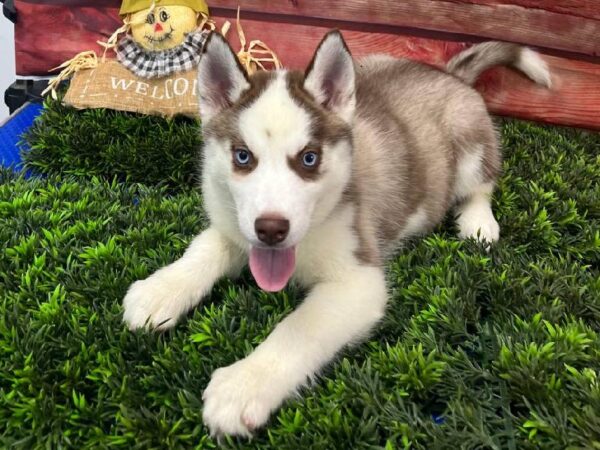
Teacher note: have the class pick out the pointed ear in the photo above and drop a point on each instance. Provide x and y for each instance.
(330, 76)
(221, 78)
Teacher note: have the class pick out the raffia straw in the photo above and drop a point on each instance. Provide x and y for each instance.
(251, 58)
(206, 23)
(225, 28)
(113, 40)
(83, 60)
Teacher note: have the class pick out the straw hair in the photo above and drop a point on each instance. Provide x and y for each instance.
(83, 60)
(257, 54)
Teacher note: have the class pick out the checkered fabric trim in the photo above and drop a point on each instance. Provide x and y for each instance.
(148, 64)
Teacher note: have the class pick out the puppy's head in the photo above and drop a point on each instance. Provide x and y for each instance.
(278, 149)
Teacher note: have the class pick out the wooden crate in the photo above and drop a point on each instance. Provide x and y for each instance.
(566, 32)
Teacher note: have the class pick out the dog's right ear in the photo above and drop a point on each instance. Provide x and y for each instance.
(221, 78)
(330, 76)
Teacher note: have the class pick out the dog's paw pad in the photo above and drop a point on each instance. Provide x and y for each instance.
(255, 414)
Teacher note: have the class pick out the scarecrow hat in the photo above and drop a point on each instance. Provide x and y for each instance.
(133, 6)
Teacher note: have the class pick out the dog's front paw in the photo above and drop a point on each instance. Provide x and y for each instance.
(241, 397)
(152, 303)
(478, 222)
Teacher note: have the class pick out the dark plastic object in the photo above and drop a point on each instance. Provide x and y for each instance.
(9, 10)
(22, 91)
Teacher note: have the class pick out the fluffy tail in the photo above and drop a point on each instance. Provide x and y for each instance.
(469, 64)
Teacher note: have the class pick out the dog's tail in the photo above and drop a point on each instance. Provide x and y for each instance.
(469, 64)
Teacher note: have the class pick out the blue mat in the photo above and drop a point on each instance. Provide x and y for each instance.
(11, 131)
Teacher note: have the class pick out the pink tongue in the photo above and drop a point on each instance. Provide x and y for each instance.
(272, 269)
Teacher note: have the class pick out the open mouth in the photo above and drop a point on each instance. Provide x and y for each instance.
(157, 40)
(272, 268)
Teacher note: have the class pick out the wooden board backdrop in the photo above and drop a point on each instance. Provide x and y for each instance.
(567, 32)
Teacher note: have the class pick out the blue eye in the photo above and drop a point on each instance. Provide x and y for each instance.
(310, 159)
(242, 156)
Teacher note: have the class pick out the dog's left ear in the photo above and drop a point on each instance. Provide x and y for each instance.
(330, 76)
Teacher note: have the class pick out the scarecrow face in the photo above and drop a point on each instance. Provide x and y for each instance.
(163, 28)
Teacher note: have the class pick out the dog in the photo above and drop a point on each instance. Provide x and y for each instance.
(318, 176)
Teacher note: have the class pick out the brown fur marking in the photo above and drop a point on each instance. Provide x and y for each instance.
(224, 125)
(306, 173)
(240, 169)
(327, 128)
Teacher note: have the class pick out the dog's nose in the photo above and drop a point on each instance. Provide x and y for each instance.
(271, 229)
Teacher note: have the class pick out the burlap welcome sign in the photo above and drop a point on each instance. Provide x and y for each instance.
(110, 85)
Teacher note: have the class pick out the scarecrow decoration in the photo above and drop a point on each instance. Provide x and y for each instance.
(156, 52)
(164, 36)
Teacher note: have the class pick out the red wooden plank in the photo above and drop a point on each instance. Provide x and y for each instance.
(506, 22)
(47, 35)
(580, 8)
(574, 100)
(294, 44)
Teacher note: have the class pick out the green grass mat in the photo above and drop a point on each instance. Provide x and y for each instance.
(478, 350)
(107, 143)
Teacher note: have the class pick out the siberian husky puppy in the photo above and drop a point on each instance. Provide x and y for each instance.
(318, 176)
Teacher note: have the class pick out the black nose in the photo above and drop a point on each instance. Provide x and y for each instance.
(271, 229)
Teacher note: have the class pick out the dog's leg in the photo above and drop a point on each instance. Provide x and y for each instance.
(477, 167)
(474, 215)
(241, 397)
(161, 299)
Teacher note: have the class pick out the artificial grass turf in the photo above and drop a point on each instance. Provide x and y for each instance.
(477, 350)
(145, 149)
